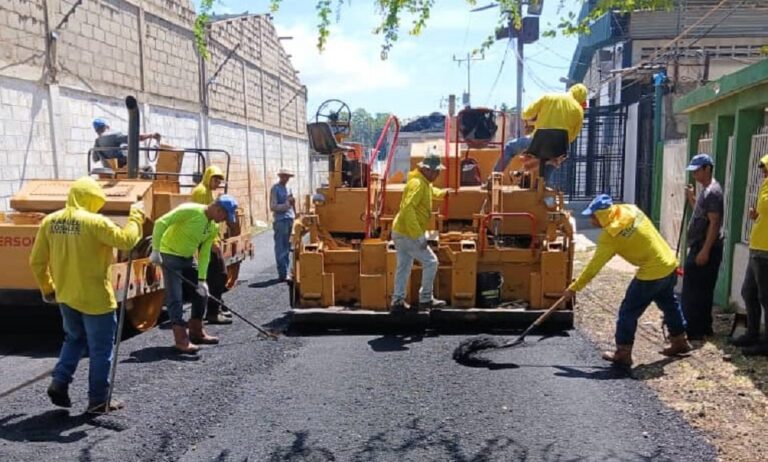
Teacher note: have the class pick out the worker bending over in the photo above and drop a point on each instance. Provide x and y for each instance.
(408, 233)
(71, 261)
(557, 119)
(203, 194)
(179, 234)
(629, 233)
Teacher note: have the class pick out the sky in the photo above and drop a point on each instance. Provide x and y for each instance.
(420, 71)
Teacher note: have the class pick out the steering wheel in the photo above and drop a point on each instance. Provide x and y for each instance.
(337, 114)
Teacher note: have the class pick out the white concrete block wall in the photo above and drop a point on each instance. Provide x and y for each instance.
(25, 146)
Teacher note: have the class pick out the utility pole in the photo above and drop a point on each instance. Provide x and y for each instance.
(519, 103)
(469, 60)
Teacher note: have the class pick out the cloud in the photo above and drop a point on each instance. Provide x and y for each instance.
(348, 64)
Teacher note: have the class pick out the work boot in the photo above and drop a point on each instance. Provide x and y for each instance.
(399, 307)
(181, 340)
(101, 408)
(621, 357)
(760, 348)
(59, 395)
(745, 340)
(678, 344)
(218, 318)
(432, 304)
(225, 312)
(198, 335)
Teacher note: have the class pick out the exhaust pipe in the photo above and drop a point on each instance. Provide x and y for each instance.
(133, 136)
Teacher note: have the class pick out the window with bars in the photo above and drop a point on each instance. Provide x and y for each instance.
(755, 179)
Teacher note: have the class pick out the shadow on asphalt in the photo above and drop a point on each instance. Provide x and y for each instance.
(53, 426)
(390, 343)
(430, 438)
(598, 373)
(159, 353)
(266, 283)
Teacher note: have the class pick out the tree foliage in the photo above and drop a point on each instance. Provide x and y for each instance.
(366, 127)
(393, 13)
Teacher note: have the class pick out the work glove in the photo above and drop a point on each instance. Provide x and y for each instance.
(50, 298)
(202, 289)
(155, 257)
(137, 213)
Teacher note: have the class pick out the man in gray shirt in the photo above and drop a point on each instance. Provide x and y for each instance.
(705, 248)
(108, 144)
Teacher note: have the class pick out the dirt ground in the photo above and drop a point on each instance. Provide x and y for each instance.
(716, 388)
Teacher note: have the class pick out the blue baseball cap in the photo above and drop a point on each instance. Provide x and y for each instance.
(99, 123)
(601, 202)
(698, 161)
(229, 204)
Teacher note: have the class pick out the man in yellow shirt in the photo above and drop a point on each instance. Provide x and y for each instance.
(203, 193)
(557, 119)
(627, 232)
(71, 261)
(178, 235)
(408, 233)
(754, 290)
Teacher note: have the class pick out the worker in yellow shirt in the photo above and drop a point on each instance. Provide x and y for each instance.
(71, 261)
(629, 233)
(178, 235)
(204, 193)
(408, 233)
(557, 119)
(754, 290)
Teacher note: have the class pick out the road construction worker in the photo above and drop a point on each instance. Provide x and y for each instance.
(71, 261)
(107, 145)
(705, 248)
(179, 234)
(629, 233)
(283, 207)
(557, 119)
(754, 290)
(203, 193)
(408, 233)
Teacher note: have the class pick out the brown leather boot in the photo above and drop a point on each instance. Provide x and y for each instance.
(181, 340)
(621, 357)
(678, 344)
(197, 333)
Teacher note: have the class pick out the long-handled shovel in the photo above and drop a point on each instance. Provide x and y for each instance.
(119, 334)
(466, 349)
(264, 332)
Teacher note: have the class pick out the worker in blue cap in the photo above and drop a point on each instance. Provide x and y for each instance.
(704, 239)
(108, 144)
(629, 233)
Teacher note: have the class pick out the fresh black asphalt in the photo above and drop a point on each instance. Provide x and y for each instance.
(349, 398)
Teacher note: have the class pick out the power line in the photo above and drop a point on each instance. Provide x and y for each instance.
(498, 74)
(550, 66)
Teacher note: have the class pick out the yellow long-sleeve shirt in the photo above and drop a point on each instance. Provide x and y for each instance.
(758, 238)
(556, 111)
(72, 254)
(416, 206)
(185, 230)
(629, 233)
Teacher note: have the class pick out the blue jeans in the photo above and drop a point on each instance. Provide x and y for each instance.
(407, 250)
(282, 230)
(96, 333)
(639, 295)
(174, 288)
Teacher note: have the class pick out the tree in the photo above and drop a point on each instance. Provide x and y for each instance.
(366, 128)
(393, 12)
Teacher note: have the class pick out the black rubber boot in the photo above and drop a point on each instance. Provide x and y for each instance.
(59, 395)
(745, 340)
(759, 349)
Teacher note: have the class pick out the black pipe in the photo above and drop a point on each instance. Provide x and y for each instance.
(133, 136)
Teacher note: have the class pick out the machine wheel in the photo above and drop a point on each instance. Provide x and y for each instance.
(337, 114)
(144, 310)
